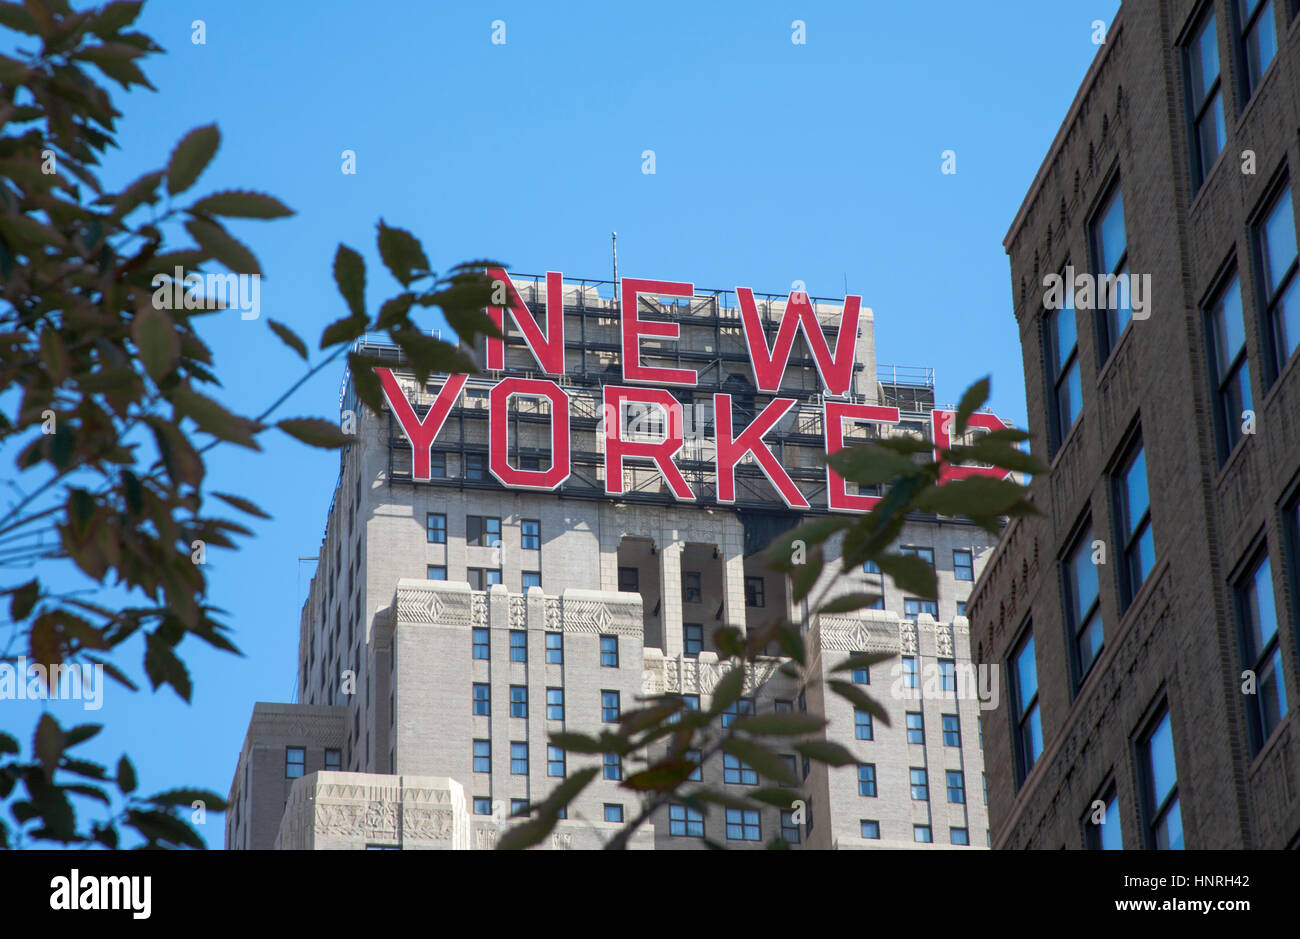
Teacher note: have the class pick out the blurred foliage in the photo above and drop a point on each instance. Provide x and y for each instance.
(109, 405)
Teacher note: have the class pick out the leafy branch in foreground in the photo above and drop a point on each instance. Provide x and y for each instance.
(110, 408)
(673, 741)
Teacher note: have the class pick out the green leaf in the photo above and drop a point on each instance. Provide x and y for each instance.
(859, 699)
(48, 744)
(849, 602)
(997, 454)
(865, 660)
(242, 203)
(163, 827)
(213, 418)
(23, 600)
(222, 247)
(805, 575)
(154, 335)
(719, 797)
(974, 495)
(825, 751)
(402, 253)
(315, 432)
(576, 743)
(761, 759)
(727, 690)
(664, 776)
(870, 464)
(83, 732)
(781, 798)
(241, 503)
(187, 797)
(163, 666)
(779, 725)
(971, 401)
(910, 574)
(125, 776)
(343, 331)
(8, 744)
(191, 157)
(288, 337)
(350, 275)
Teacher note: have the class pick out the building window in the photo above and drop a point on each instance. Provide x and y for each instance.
(475, 466)
(1104, 834)
(947, 675)
(693, 639)
(435, 572)
(692, 701)
(481, 578)
(791, 763)
(736, 772)
(437, 465)
(295, 762)
(755, 594)
(1133, 517)
(518, 700)
(925, 554)
(609, 707)
(435, 528)
(1164, 818)
(333, 759)
(1275, 242)
(482, 805)
(482, 700)
(613, 766)
(697, 774)
(862, 729)
(684, 822)
(870, 829)
(959, 836)
(480, 643)
(1257, 35)
(963, 565)
(1109, 246)
(518, 645)
(555, 704)
(554, 761)
(1060, 337)
(629, 580)
(956, 787)
(1083, 605)
(866, 779)
(909, 671)
(789, 828)
(482, 756)
(555, 648)
(518, 808)
(530, 534)
(783, 706)
(518, 758)
(742, 825)
(875, 584)
(531, 579)
(482, 531)
(921, 834)
(860, 676)
(609, 651)
(1201, 65)
(614, 812)
(915, 727)
(951, 731)
(691, 587)
(1229, 366)
(1261, 652)
(961, 608)
(912, 608)
(741, 707)
(1029, 727)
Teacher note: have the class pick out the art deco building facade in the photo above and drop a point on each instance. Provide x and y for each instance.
(1147, 621)
(453, 623)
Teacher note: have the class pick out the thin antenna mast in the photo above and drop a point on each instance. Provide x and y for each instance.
(613, 237)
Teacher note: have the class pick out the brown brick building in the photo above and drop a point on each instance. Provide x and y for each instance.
(1147, 622)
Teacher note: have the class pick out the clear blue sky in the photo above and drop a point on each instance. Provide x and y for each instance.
(775, 162)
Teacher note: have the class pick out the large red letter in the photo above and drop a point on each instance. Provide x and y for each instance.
(634, 328)
(837, 498)
(941, 424)
(769, 365)
(499, 421)
(660, 451)
(547, 349)
(750, 440)
(420, 433)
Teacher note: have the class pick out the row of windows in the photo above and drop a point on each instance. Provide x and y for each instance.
(483, 531)
(629, 581)
(481, 647)
(481, 578)
(918, 780)
(295, 761)
(1276, 265)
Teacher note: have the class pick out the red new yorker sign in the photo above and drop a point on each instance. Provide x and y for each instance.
(730, 448)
